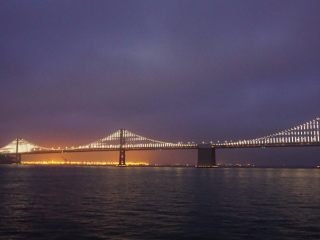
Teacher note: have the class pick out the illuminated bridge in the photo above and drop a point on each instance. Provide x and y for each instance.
(306, 134)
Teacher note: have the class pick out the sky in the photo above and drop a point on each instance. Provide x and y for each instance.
(73, 72)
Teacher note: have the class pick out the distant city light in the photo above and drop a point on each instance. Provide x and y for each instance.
(52, 162)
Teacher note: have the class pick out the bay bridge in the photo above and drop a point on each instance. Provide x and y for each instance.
(304, 135)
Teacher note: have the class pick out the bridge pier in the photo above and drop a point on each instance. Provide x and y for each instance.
(206, 156)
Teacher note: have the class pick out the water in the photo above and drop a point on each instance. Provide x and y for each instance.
(54, 202)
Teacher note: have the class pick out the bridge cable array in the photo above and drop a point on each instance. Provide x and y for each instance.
(132, 140)
(305, 133)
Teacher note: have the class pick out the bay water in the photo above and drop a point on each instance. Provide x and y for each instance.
(69, 202)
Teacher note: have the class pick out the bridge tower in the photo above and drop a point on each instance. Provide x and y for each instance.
(18, 156)
(122, 157)
(206, 156)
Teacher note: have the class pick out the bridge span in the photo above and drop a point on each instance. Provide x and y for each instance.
(304, 135)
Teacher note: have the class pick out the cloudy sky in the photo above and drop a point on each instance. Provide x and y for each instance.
(72, 72)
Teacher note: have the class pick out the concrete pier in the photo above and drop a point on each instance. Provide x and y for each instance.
(206, 156)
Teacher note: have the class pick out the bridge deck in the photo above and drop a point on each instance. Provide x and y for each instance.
(309, 144)
(222, 146)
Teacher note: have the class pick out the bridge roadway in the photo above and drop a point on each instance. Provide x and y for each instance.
(223, 146)
(206, 152)
(230, 145)
(75, 150)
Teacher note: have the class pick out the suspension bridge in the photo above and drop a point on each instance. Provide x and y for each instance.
(306, 134)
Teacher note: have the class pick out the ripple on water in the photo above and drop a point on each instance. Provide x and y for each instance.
(158, 203)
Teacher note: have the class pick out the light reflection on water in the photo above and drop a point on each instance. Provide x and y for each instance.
(54, 202)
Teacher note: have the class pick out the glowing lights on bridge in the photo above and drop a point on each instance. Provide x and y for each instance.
(132, 141)
(307, 133)
(304, 133)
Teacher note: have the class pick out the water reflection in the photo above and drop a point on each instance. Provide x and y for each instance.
(102, 202)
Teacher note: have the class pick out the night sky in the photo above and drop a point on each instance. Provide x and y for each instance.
(73, 72)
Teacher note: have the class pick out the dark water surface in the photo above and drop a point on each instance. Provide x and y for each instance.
(53, 202)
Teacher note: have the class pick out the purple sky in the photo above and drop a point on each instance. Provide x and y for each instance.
(72, 72)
